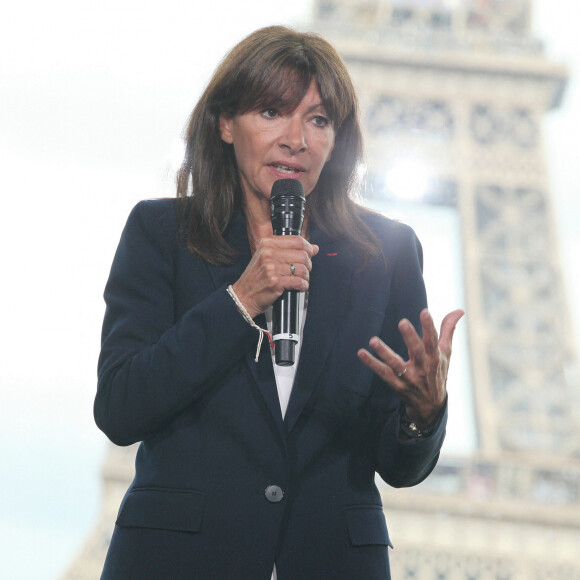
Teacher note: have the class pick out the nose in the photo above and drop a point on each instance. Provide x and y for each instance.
(293, 137)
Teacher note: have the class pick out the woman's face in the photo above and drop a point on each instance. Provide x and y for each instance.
(269, 146)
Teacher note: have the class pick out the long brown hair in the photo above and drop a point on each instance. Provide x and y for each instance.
(272, 67)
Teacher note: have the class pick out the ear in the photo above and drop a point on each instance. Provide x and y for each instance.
(226, 128)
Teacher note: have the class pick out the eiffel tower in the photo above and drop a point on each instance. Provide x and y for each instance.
(463, 85)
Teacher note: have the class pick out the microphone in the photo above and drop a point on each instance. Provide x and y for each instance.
(287, 211)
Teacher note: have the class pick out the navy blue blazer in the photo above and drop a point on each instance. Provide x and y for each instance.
(177, 372)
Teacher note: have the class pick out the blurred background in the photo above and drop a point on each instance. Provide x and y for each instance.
(472, 113)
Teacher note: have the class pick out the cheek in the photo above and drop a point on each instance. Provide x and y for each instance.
(244, 152)
(250, 148)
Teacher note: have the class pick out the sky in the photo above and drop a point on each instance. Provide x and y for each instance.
(93, 100)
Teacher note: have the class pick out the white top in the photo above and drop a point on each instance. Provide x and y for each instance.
(285, 375)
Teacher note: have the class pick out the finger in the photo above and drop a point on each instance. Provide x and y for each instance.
(291, 269)
(268, 277)
(297, 258)
(447, 330)
(382, 370)
(387, 355)
(288, 243)
(285, 257)
(294, 283)
(413, 342)
(281, 278)
(430, 336)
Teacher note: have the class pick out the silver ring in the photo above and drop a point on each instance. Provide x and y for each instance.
(292, 269)
(402, 372)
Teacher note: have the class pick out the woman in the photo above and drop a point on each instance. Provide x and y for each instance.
(244, 467)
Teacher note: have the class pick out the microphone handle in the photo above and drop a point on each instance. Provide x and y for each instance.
(285, 317)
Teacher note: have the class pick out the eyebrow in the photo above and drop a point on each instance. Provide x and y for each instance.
(317, 106)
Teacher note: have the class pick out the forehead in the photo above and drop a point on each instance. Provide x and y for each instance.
(284, 92)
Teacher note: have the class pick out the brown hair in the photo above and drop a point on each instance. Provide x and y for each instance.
(272, 67)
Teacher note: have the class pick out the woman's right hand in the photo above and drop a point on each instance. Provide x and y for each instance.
(269, 272)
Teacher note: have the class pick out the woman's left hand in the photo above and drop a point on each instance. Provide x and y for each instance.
(420, 381)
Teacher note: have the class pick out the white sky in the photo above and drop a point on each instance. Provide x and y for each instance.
(93, 98)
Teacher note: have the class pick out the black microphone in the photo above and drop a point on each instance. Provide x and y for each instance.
(287, 209)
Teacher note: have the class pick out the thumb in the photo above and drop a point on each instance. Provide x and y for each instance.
(447, 329)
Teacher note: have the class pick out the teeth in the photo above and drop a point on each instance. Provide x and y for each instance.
(285, 169)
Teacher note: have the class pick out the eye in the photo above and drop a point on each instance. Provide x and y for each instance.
(321, 121)
(269, 113)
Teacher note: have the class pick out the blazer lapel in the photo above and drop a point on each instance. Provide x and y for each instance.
(331, 278)
(262, 372)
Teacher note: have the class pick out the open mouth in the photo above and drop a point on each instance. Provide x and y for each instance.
(286, 169)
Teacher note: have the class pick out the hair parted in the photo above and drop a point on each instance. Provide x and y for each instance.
(272, 67)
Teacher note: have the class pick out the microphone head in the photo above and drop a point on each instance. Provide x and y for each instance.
(287, 202)
(287, 188)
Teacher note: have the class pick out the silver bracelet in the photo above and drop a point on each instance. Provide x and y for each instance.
(246, 315)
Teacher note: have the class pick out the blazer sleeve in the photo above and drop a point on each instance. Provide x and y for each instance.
(402, 462)
(152, 366)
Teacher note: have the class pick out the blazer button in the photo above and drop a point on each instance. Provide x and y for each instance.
(274, 493)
